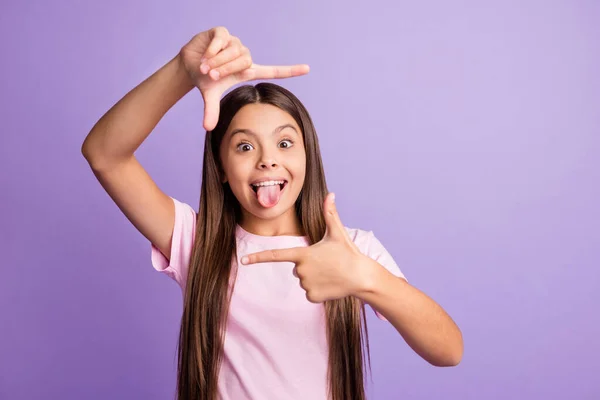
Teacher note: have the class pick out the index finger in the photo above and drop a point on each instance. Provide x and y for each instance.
(292, 255)
(276, 71)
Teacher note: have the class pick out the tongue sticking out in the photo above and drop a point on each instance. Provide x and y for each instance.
(268, 196)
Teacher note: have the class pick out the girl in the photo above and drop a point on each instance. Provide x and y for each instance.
(274, 284)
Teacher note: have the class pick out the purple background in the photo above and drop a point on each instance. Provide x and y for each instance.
(465, 135)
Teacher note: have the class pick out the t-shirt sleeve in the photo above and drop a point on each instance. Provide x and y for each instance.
(376, 251)
(182, 243)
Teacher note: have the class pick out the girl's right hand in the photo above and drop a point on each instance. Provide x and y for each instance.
(216, 61)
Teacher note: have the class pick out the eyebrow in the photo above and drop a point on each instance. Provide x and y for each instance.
(251, 132)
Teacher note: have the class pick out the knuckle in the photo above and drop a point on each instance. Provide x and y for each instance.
(185, 51)
(273, 254)
(224, 70)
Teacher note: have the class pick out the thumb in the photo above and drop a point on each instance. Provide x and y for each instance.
(335, 227)
(211, 109)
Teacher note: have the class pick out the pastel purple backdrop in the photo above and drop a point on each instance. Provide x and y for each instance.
(465, 135)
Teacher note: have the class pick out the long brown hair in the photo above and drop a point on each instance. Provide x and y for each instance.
(207, 294)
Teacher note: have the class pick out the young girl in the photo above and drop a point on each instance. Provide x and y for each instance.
(274, 284)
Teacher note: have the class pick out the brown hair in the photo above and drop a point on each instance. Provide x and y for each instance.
(207, 294)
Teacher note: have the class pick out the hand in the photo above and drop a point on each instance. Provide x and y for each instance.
(330, 269)
(215, 61)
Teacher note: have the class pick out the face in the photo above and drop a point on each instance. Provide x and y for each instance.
(264, 160)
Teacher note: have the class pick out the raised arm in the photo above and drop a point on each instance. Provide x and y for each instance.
(109, 149)
(213, 61)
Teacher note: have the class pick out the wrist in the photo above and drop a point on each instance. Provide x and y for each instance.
(368, 275)
(182, 73)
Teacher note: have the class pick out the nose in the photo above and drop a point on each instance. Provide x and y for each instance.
(267, 161)
(267, 164)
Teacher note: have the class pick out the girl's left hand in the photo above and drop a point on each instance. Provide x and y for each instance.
(330, 269)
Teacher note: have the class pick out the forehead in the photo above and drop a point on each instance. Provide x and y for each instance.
(262, 119)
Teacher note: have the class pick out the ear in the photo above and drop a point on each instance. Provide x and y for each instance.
(223, 175)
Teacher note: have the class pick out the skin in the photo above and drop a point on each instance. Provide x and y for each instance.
(256, 146)
(334, 268)
(213, 61)
(264, 141)
(216, 61)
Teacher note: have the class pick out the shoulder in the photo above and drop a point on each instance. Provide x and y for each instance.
(369, 245)
(183, 210)
(182, 242)
(361, 238)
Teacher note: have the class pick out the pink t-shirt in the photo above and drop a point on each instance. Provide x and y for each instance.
(275, 342)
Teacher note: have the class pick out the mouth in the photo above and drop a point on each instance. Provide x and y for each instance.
(281, 183)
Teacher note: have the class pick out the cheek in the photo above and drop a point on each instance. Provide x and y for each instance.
(299, 167)
(238, 175)
(235, 168)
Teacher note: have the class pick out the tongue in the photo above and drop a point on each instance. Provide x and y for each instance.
(268, 196)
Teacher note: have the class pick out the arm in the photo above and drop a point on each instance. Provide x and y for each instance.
(423, 324)
(213, 61)
(109, 149)
(335, 268)
(119, 133)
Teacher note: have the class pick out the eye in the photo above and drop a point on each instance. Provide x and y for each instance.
(244, 146)
(288, 143)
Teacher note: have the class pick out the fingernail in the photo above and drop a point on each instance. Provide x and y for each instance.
(333, 197)
(216, 74)
(244, 260)
(204, 68)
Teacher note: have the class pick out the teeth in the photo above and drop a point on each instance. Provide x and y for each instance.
(268, 183)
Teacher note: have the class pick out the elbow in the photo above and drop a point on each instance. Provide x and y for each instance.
(92, 158)
(87, 150)
(97, 159)
(92, 149)
(449, 360)
(452, 356)
(456, 356)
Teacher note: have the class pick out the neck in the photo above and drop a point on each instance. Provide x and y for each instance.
(287, 224)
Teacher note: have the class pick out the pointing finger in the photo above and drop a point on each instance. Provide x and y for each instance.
(279, 255)
(276, 72)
